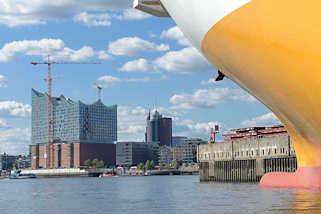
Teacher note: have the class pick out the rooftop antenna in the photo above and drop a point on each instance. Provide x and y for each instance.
(99, 87)
(156, 103)
(148, 112)
(49, 86)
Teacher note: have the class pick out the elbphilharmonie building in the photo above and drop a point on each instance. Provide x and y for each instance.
(79, 131)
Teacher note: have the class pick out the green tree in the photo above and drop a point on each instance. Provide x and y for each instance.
(161, 165)
(147, 165)
(185, 164)
(191, 164)
(15, 165)
(176, 165)
(140, 166)
(94, 162)
(152, 165)
(87, 162)
(168, 166)
(100, 164)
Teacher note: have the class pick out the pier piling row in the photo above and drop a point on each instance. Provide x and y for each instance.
(247, 160)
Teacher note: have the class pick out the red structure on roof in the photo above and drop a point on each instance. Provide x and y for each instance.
(252, 132)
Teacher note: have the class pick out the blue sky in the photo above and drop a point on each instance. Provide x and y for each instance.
(144, 61)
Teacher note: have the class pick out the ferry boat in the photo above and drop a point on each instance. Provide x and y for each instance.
(271, 49)
(18, 175)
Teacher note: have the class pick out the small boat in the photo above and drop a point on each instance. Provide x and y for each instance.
(105, 175)
(18, 175)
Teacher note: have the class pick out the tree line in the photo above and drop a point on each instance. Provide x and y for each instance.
(94, 163)
(149, 165)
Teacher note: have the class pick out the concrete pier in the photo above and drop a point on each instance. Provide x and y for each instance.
(247, 160)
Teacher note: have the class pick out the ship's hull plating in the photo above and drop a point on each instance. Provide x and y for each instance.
(272, 49)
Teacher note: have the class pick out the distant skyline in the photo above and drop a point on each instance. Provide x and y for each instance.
(143, 59)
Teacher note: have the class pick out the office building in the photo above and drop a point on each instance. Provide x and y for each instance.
(7, 162)
(165, 155)
(131, 153)
(178, 140)
(159, 129)
(190, 149)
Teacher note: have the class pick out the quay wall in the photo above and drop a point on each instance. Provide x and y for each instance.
(246, 160)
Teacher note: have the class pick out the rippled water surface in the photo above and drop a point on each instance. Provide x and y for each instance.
(167, 194)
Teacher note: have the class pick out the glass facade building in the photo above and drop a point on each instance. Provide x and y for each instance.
(159, 129)
(73, 121)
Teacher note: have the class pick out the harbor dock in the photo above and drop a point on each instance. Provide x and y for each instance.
(247, 159)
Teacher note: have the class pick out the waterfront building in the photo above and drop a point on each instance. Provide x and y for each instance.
(79, 132)
(23, 162)
(131, 153)
(247, 154)
(190, 149)
(178, 140)
(165, 155)
(177, 154)
(7, 161)
(153, 151)
(184, 151)
(159, 129)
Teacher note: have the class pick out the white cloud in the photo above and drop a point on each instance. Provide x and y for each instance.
(176, 34)
(186, 61)
(131, 122)
(109, 80)
(103, 55)
(30, 47)
(209, 98)
(3, 81)
(139, 65)
(15, 141)
(14, 109)
(105, 19)
(133, 46)
(190, 128)
(208, 82)
(144, 79)
(55, 47)
(3, 124)
(19, 12)
(101, 19)
(67, 54)
(263, 120)
(133, 14)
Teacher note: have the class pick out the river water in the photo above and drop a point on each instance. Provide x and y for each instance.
(150, 194)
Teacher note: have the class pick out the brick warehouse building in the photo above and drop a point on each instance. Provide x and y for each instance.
(79, 132)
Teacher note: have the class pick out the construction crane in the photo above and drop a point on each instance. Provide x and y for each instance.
(99, 87)
(49, 87)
